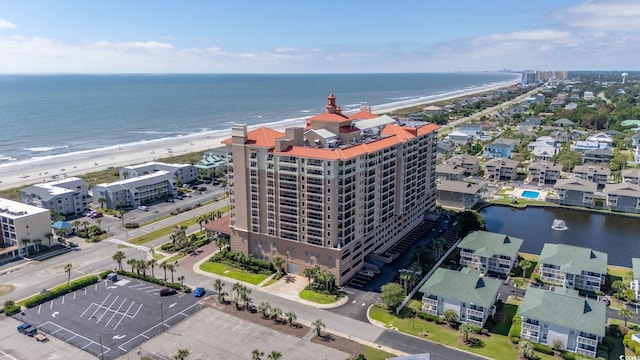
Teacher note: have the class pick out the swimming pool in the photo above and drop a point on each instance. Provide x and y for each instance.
(530, 194)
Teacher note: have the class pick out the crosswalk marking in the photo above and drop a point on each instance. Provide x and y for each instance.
(126, 243)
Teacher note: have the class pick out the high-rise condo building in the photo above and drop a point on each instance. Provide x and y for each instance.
(330, 194)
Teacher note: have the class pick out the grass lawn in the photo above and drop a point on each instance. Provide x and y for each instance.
(5, 289)
(158, 256)
(233, 273)
(271, 281)
(371, 353)
(317, 297)
(503, 327)
(175, 257)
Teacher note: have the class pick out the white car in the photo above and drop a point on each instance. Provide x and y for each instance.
(143, 208)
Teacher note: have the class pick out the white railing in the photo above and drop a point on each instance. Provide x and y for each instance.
(427, 276)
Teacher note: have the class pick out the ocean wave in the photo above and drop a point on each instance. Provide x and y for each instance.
(154, 132)
(46, 148)
(7, 158)
(305, 111)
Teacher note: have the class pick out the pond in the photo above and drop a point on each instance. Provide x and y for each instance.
(619, 236)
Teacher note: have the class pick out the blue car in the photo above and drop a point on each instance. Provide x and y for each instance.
(199, 292)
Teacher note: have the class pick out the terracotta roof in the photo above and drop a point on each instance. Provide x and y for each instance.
(220, 225)
(330, 117)
(363, 114)
(263, 137)
(344, 153)
(428, 128)
(398, 131)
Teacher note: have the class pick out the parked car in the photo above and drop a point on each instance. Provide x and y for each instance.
(143, 208)
(167, 292)
(199, 292)
(27, 329)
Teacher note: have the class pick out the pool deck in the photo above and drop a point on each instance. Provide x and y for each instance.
(518, 193)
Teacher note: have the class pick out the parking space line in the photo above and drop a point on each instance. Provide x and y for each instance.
(97, 306)
(91, 342)
(39, 307)
(51, 305)
(62, 299)
(115, 312)
(125, 313)
(107, 309)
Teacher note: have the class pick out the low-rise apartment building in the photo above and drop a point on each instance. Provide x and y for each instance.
(68, 196)
(573, 267)
(457, 194)
(635, 282)
(489, 252)
(549, 317)
(631, 176)
(501, 169)
(23, 226)
(450, 172)
(137, 191)
(597, 156)
(624, 197)
(471, 164)
(542, 172)
(467, 292)
(186, 173)
(575, 192)
(594, 173)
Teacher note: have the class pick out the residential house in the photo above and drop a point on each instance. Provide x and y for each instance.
(458, 138)
(543, 148)
(450, 172)
(542, 172)
(211, 163)
(469, 294)
(498, 150)
(470, 163)
(68, 196)
(186, 173)
(432, 110)
(20, 222)
(136, 191)
(474, 130)
(588, 96)
(635, 282)
(501, 169)
(443, 148)
(573, 267)
(571, 106)
(457, 194)
(631, 176)
(489, 252)
(636, 154)
(583, 146)
(624, 197)
(593, 173)
(575, 192)
(602, 138)
(562, 316)
(563, 123)
(597, 156)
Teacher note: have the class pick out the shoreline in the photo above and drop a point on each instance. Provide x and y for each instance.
(23, 173)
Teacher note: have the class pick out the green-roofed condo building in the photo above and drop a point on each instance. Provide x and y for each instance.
(562, 316)
(573, 267)
(467, 292)
(489, 252)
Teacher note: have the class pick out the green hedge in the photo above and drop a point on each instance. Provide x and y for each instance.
(10, 308)
(516, 327)
(541, 348)
(149, 278)
(61, 290)
(566, 355)
(430, 318)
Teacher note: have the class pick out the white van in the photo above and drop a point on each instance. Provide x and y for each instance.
(143, 208)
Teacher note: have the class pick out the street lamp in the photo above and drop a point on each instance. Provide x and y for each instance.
(101, 348)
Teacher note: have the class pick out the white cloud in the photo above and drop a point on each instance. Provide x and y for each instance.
(5, 24)
(610, 16)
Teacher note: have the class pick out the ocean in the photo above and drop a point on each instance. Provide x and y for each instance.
(45, 115)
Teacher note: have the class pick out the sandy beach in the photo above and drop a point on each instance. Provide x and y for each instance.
(24, 173)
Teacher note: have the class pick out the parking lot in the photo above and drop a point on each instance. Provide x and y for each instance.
(109, 319)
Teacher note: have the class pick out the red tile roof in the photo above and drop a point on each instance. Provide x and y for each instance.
(262, 137)
(363, 115)
(220, 225)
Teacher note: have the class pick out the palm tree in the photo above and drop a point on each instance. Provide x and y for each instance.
(291, 316)
(163, 266)
(67, 269)
(98, 222)
(25, 243)
(118, 257)
(201, 220)
(102, 201)
(318, 325)
(517, 283)
(133, 264)
(524, 265)
(152, 264)
(49, 236)
(182, 354)
(76, 225)
(85, 223)
(406, 277)
(465, 332)
(237, 288)
(275, 313)
(308, 273)
(626, 314)
(617, 286)
(181, 279)
(256, 354)
(265, 309)
(217, 286)
(277, 263)
(172, 269)
(274, 355)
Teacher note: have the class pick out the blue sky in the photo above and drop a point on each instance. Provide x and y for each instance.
(293, 36)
